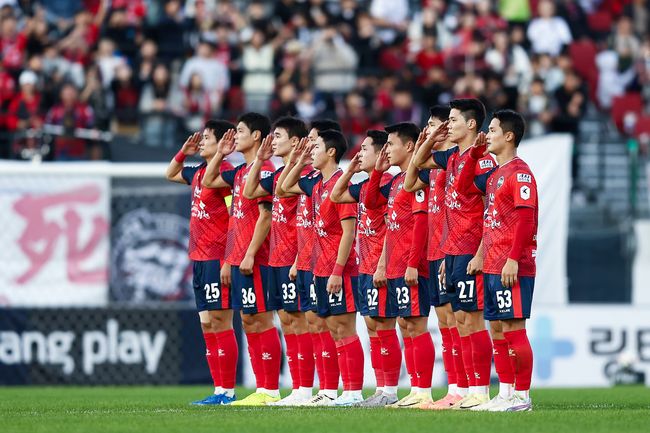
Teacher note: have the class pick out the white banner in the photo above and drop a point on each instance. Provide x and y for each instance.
(54, 240)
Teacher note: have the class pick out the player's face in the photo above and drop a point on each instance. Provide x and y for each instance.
(313, 135)
(458, 128)
(281, 143)
(433, 123)
(243, 138)
(397, 150)
(319, 154)
(208, 144)
(368, 155)
(496, 139)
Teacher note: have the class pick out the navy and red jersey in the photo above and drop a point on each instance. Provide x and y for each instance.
(510, 186)
(327, 225)
(436, 180)
(283, 243)
(209, 215)
(400, 220)
(371, 227)
(463, 212)
(244, 215)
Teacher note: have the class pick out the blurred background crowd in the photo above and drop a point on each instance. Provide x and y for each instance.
(78, 71)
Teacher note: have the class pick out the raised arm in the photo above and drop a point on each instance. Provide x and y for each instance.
(175, 168)
(374, 197)
(293, 159)
(341, 193)
(253, 189)
(423, 157)
(412, 181)
(212, 177)
(290, 183)
(468, 175)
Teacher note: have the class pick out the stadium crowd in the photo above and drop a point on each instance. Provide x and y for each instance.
(161, 68)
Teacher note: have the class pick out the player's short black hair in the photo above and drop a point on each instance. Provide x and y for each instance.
(406, 131)
(379, 138)
(334, 140)
(325, 124)
(440, 112)
(470, 109)
(256, 122)
(295, 127)
(218, 127)
(511, 121)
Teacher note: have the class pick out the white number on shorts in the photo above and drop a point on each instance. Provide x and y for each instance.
(312, 292)
(288, 291)
(339, 297)
(504, 298)
(462, 285)
(248, 296)
(212, 292)
(403, 295)
(372, 297)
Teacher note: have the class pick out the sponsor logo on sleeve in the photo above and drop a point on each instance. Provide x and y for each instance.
(523, 177)
(419, 196)
(485, 164)
(524, 192)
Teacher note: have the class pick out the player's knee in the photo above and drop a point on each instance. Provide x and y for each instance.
(206, 327)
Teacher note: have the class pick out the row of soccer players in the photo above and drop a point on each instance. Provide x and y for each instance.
(454, 229)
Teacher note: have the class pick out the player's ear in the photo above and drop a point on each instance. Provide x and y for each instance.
(510, 137)
(257, 135)
(331, 152)
(410, 146)
(471, 124)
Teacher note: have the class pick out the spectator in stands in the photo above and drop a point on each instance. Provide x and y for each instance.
(213, 75)
(613, 77)
(535, 106)
(639, 11)
(71, 114)
(97, 98)
(158, 125)
(571, 103)
(25, 114)
(334, 63)
(259, 79)
(12, 45)
(198, 103)
(108, 61)
(126, 94)
(390, 17)
(548, 33)
(169, 32)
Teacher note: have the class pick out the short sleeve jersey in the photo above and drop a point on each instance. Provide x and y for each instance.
(244, 215)
(283, 242)
(209, 215)
(400, 210)
(436, 181)
(510, 186)
(371, 227)
(327, 226)
(463, 212)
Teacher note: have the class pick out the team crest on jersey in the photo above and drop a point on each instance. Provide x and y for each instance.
(419, 196)
(460, 167)
(523, 177)
(524, 192)
(500, 182)
(486, 163)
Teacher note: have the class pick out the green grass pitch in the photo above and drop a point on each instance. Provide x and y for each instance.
(166, 409)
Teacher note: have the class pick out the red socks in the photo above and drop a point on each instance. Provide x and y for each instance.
(457, 354)
(270, 358)
(211, 355)
(306, 359)
(330, 362)
(291, 341)
(318, 358)
(424, 355)
(391, 357)
(482, 357)
(228, 354)
(523, 359)
(375, 360)
(352, 361)
(254, 352)
(409, 361)
(447, 356)
(466, 345)
(502, 363)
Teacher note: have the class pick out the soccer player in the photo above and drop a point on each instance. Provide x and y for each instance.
(325, 356)
(335, 268)
(440, 299)
(385, 352)
(208, 224)
(462, 244)
(247, 251)
(284, 296)
(407, 269)
(510, 243)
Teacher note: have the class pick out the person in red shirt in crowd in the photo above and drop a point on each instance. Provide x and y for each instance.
(208, 227)
(7, 94)
(24, 112)
(428, 57)
(71, 114)
(12, 45)
(510, 226)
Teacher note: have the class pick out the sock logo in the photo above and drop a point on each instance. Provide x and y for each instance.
(289, 358)
(454, 352)
(207, 352)
(477, 376)
(325, 354)
(221, 353)
(511, 352)
(266, 356)
(300, 357)
(384, 351)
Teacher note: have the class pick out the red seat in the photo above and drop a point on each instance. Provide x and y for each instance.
(642, 126)
(628, 103)
(600, 22)
(583, 56)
